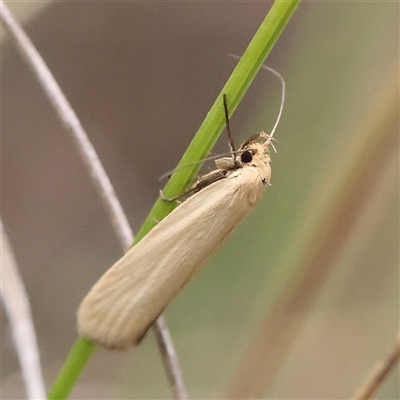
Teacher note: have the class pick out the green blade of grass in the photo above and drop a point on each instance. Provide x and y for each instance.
(199, 148)
(77, 358)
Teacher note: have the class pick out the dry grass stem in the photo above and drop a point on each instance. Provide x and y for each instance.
(17, 306)
(97, 173)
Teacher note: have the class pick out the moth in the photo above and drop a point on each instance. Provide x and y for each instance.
(121, 307)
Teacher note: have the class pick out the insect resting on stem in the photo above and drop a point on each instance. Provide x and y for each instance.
(121, 307)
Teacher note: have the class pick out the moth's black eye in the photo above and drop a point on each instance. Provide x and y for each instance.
(246, 157)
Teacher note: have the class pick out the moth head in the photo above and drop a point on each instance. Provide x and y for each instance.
(254, 151)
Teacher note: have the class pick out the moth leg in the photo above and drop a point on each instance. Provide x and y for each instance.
(175, 198)
(201, 183)
(209, 178)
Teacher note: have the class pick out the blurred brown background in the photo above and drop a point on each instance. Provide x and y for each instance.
(141, 77)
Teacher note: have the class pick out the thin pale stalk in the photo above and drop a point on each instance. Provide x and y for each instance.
(72, 125)
(99, 177)
(379, 374)
(168, 354)
(17, 306)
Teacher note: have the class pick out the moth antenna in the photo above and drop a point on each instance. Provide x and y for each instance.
(228, 128)
(276, 73)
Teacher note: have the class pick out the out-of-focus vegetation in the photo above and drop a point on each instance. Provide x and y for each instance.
(303, 299)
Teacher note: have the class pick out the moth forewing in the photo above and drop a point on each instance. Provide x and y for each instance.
(128, 298)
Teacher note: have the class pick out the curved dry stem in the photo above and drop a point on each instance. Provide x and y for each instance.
(97, 173)
(16, 304)
(72, 124)
(168, 354)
